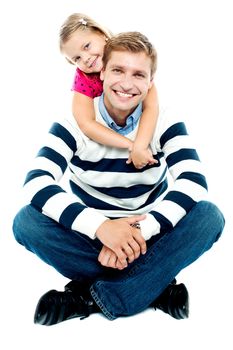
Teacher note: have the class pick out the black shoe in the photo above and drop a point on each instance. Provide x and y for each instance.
(54, 307)
(174, 301)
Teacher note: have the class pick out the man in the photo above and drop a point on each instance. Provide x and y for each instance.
(123, 234)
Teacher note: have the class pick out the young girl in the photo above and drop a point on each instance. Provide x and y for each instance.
(82, 42)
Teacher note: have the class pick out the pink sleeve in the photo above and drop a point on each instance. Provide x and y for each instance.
(87, 85)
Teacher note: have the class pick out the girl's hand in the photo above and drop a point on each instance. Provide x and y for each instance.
(141, 157)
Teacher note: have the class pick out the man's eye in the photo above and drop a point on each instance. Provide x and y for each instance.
(77, 58)
(116, 70)
(139, 75)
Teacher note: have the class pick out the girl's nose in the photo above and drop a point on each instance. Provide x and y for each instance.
(86, 58)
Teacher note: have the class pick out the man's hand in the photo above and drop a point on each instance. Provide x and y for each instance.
(122, 238)
(108, 258)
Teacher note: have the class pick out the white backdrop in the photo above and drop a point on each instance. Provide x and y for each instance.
(194, 43)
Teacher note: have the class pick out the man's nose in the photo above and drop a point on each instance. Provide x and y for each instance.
(126, 82)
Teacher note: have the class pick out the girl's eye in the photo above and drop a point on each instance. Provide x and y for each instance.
(87, 46)
(77, 59)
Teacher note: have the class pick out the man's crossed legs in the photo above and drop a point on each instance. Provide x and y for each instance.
(149, 281)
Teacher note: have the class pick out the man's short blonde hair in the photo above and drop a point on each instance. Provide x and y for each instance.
(134, 42)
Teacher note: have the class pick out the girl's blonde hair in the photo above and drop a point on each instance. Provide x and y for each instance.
(79, 21)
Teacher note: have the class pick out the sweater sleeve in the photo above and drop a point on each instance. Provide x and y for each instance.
(186, 178)
(43, 187)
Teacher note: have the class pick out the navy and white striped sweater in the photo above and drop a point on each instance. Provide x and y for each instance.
(104, 186)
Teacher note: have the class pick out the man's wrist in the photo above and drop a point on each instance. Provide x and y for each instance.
(149, 227)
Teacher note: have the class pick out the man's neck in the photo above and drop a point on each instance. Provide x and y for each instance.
(122, 122)
(119, 116)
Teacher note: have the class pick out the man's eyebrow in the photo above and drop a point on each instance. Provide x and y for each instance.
(141, 71)
(115, 65)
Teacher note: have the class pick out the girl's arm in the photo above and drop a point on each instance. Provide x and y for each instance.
(84, 113)
(141, 155)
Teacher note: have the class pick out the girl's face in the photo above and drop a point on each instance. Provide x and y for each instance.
(85, 50)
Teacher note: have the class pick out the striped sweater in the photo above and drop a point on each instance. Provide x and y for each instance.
(101, 185)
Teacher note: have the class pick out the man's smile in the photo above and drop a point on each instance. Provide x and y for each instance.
(124, 94)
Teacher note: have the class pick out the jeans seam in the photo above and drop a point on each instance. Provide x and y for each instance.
(132, 271)
(146, 258)
(100, 303)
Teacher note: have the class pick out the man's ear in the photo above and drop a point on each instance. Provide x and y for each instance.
(151, 82)
(102, 74)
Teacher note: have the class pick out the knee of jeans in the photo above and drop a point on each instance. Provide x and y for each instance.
(21, 225)
(214, 216)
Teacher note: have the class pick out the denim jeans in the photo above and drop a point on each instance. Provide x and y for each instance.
(121, 292)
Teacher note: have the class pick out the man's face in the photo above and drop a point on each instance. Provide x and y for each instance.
(126, 80)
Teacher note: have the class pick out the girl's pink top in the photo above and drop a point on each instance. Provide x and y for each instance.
(87, 84)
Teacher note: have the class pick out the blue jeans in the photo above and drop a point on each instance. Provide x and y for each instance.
(132, 290)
